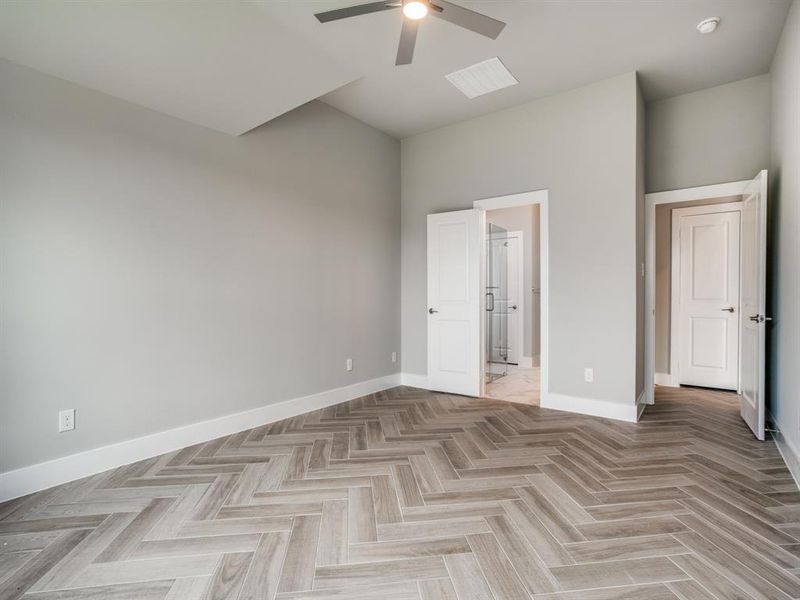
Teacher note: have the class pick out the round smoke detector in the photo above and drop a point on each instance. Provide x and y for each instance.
(708, 25)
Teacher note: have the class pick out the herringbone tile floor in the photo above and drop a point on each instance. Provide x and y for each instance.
(408, 494)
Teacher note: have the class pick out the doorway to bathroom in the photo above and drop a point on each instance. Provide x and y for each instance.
(512, 369)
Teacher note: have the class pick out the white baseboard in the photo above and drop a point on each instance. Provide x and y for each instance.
(75, 466)
(641, 404)
(526, 362)
(414, 380)
(591, 406)
(664, 379)
(789, 453)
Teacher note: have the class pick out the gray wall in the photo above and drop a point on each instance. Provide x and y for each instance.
(156, 273)
(524, 219)
(641, 124)
(712, 136)
(784, 229)
(581, 145)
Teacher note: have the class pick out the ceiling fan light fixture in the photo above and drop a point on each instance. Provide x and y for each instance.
(415, 9)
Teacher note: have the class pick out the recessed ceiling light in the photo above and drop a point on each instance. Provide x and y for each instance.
(415, 9)
(481, 78)
(708, 25)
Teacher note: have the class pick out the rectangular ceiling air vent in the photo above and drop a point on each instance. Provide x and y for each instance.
(481, 78)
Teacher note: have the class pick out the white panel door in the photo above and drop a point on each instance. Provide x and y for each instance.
(753, 319)
(708, 299)
(454, 307)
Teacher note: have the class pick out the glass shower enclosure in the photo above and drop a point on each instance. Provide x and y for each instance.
(496, 350)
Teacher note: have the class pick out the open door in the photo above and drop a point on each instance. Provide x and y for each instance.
(454, 303)
(753, 303)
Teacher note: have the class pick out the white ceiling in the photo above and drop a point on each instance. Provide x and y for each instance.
(234, 65)
(224, 65)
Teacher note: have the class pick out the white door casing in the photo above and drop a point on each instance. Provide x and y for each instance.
(706, 275)
(454, 301)
(541, 198)
(753, 301)
(511, 306)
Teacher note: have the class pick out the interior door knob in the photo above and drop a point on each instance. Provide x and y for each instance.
(514, 307)
(432, 310)
(729, 309)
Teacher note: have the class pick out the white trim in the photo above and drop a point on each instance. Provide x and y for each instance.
(526, 362)
(789, 453)
(735, 188)
(414, 380)
(675, 287)
(540, 197)
(664, 380)
(704, 192)
(590, 406)
(641, 404)
(512, 200)
(75, 466)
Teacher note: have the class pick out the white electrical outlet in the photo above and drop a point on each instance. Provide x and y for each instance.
(394, 356)
(349, 364)
(588, 374)
(66, 420)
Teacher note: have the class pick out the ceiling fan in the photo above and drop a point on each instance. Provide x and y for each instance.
(413, 12)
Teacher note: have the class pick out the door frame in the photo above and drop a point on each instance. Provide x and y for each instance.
(651, 200)
(540, 197)
(675, 256)
(520, 268)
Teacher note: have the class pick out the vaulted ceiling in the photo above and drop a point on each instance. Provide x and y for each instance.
(232, 66)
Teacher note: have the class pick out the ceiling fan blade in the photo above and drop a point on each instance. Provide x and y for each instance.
(468, 19)
(408, 38)
(354, 11)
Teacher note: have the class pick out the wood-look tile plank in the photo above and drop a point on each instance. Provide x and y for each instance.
(135, 571)
(500, 574)
(26, 576)
(467, 577)
(395, 550)
(301, 555)
(617, 573)
(606, 530)
(85, 553)
(437, 589)
(333, 538)
(529, 566)
(625, 548)
(226, 583)
(384, 495)
(555, 522)
(745, 555)
(733, 570)
(445, 528)
(125, 542)
(261, 580)
(393, 571)
(407, 487)
(709, 579)
(215, 544)
(148, 590)
(362, 526)
(537, 535)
